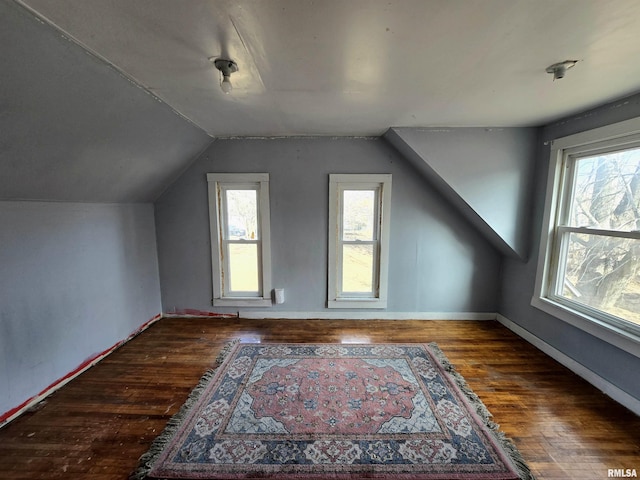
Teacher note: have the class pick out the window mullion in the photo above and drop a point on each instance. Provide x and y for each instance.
(599, 231)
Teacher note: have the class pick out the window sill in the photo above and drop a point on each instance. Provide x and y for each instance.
(242, 302)
(623, 339)
(357, 303)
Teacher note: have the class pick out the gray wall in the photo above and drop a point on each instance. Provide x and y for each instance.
(617, 366)
(484, 172)
(438, 262)
(75, 279)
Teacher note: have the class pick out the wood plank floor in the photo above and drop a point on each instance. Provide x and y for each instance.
(98, 425)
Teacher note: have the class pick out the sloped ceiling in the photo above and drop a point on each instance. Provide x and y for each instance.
(72, 128)
(109, 100)
(357, 67)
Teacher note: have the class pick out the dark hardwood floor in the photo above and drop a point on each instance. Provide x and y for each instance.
(98, 425)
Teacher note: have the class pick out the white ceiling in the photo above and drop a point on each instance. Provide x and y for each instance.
(357, 67)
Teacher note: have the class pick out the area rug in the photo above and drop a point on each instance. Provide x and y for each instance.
(325, 411)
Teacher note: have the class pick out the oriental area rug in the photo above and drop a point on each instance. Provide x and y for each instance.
(325, 411)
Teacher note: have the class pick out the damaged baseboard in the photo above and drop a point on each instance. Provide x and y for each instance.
(15, 412)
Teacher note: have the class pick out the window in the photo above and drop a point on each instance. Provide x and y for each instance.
(240, 240)
(591, 252)
(359, 215)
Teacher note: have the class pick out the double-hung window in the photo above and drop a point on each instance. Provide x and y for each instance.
(240, 239)
(590, 256)
(359, 216)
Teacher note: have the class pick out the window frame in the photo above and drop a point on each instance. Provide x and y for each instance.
(217, 183)
(338, 183)
(565, 152)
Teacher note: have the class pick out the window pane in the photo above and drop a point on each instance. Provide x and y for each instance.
(242, 214)
(607, 192)
(243, 267)
(604, 273)
(358, 217)
(357, 268)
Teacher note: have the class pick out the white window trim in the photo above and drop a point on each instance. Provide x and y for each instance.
(620, 133)
(336, 182)
(213, 181)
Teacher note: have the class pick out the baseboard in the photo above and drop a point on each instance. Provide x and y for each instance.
(193, 313)
(593, 378)
(360, 315)
(14, 413)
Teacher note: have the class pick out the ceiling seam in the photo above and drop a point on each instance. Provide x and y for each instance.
(186, 167)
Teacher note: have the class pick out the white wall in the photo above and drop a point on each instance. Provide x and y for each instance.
(75, 279)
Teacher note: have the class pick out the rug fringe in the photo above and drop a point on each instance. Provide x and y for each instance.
(224, 352)
(523, 470)
(147, 460)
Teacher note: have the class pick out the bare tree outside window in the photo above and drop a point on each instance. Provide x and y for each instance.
(242, 206)
(601, 261)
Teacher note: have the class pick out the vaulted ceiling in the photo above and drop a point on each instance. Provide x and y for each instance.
(108, 100)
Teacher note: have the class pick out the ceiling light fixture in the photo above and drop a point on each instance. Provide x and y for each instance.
(560, 69)
(226, 67)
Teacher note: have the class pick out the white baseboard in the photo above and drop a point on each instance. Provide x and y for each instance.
(373, 315)
(593, 378)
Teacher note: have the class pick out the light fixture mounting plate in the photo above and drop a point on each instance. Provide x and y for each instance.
(567, 64)
(226, 66)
